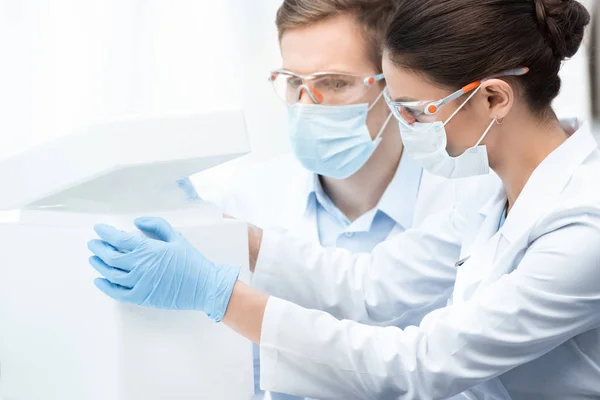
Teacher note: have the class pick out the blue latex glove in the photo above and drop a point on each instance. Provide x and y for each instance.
(162, 270)
(188, 188)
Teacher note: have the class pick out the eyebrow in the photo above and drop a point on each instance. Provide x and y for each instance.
(404, 100)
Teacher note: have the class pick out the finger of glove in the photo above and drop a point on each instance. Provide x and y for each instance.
(156, 228)
(117, 238)
(110, 256)
(112, 290)
(115, 275)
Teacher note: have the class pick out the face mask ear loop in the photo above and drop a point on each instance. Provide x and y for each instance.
(385, 124)
(377, 99)
(387, 121)
(486, 132)
(462, 105)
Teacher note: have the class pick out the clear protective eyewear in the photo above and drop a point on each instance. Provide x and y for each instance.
(327, 88)
(411, 112)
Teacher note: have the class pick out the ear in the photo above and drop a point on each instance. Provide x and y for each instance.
(500, 97)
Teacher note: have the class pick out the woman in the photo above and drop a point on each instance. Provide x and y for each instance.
(524, 319)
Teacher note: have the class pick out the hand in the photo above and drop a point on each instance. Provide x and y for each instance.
(162, 270)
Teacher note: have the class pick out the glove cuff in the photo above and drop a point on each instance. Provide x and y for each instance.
(224, 280)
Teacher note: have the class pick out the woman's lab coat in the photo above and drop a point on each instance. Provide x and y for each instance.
(526, 305)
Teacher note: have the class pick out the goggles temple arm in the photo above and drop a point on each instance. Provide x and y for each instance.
(370, 81)
(432, 108)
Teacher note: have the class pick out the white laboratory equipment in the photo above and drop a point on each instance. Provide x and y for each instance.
(60, 337)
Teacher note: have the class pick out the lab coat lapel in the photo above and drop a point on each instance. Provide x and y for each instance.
(474, 271)
(479, 261)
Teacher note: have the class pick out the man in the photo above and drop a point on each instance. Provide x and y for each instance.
(347, 183)
(300, 191)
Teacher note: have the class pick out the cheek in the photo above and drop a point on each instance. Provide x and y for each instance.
(452, 145)
(460, 134)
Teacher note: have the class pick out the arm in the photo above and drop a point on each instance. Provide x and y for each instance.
(551, 297)
(398, 283)
(311, 353)
(245, 311)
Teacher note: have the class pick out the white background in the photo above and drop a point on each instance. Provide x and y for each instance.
(70, 63)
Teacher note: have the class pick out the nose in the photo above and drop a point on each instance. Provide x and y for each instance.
(304, 96)
(309, 95)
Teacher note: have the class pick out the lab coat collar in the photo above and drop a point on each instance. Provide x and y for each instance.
(546, 183)
(316, 195)
(398, 200)
(309, 193)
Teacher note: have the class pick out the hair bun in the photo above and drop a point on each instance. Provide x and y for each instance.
(562, 22)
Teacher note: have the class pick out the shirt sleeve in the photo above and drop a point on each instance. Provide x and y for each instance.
(396, 284)
(551, 296)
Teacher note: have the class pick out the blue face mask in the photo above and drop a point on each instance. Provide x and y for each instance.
(332, 141)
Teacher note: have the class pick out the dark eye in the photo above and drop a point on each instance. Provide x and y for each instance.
(338, 84)
(409, 115)
(294, 82)
(335, 83)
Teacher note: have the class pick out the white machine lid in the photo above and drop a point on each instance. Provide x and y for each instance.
(121, 166)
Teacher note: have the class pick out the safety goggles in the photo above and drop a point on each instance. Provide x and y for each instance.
(327, 88)
(416, 111)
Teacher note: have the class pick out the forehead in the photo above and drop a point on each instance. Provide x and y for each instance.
(409, 85)
(336, 44)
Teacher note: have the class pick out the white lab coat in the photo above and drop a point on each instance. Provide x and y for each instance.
(526, 307)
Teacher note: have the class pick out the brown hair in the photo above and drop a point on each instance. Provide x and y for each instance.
(372, 15)
(455, 42)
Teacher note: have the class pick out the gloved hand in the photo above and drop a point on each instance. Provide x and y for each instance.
(162, 270)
